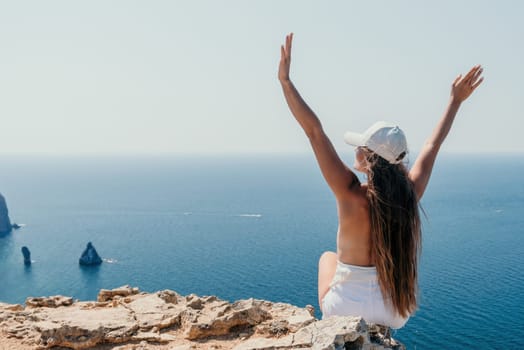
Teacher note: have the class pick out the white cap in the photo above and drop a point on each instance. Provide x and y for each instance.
(386, 140)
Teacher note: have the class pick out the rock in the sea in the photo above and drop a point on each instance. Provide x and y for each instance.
(90, 256)
(5, 223)
(166, 319)
(27, 255)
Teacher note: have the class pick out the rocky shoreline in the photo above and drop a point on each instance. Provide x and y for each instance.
(126, 319)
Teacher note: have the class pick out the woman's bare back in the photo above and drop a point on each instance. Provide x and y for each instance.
(354, 230)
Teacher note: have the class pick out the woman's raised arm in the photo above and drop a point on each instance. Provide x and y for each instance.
(338, 176)
(461, 89)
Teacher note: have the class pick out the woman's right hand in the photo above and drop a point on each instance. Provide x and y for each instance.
(463, 87)
(285, 59)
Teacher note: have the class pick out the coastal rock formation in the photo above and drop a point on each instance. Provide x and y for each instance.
(90, 256)
(109, 294)
(5, 223)
(125, 319)
(27, 255)
(54, 301)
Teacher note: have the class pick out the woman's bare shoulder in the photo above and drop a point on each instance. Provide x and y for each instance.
(355, 195)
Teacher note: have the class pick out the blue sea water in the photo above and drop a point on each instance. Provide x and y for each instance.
(241, 227)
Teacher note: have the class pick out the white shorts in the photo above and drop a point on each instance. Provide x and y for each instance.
(355, 291)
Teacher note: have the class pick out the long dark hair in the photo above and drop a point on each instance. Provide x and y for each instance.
(395, 231)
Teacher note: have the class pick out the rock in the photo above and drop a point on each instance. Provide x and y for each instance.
(109, 294)
(15, 307)
(219, 318)
(82, 329)
(90, 256)
(129, 320)
(168, 296)
(342, 332)
(27, 255)
(5, 223)
(152, 312)
(310, 309)
(54, 301)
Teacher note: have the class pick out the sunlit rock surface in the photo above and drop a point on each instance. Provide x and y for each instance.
(125, 319)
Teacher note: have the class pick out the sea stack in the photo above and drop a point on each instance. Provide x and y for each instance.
(90, 256)
(27, 255)
(5, 223)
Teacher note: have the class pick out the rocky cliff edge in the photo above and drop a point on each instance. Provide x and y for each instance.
(125, 319)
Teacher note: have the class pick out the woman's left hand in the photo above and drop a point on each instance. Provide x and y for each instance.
(463, 87)
(285, 59)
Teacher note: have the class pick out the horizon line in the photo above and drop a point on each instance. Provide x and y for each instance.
(219, 154)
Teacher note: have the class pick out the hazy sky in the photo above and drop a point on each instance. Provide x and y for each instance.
(201, 76)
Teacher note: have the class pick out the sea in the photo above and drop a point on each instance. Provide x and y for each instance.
(240, 227)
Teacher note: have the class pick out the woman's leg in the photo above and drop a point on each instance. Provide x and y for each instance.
(327, 266)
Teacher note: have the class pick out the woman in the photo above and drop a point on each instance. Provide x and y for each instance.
(373, 274)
